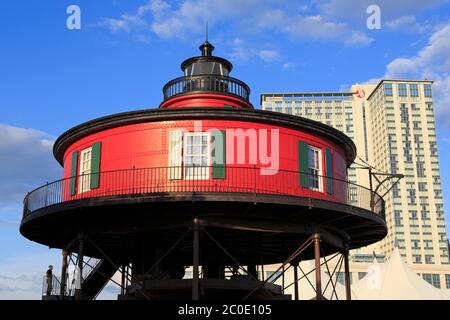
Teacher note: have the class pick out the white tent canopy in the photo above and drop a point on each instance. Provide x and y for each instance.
(394, 280)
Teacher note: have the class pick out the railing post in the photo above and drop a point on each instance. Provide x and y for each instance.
(46, 194)
(254, 179)
(371, 190)
(132, 180)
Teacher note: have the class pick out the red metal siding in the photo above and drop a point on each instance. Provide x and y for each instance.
(146, 146)
(205, 100)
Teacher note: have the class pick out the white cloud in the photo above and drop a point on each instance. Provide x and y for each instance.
(190, 17)
(401, 68)
(109, 292)
(243, 53)
(21, 275)
(358, 39)
(408, 24)
(156, 7)
(240, 53)
(318, 28)
(27, 162)
(268, 55)
(314, 27)
(402, 22)
(125, 23)
(441, 90)
(356, 9)
(237, 41)
(431, 62)
(344, 88)
(141, 38)
(115, 25)
(289, 65)
(168, 28)
(136, 23)
(8, 223)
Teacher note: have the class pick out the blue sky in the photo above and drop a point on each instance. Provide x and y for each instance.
(52, 78)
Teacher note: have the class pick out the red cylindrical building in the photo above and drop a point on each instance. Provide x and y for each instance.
(255, 182)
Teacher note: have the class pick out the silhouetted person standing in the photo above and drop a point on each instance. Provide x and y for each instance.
(49, 280)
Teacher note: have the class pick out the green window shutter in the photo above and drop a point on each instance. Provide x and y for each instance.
(95, 165)
(219, 147)
(73, 173)
(303, 164)
(329, 168)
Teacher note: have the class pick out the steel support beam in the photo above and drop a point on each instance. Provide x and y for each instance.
(295, 265)
(195, 262)
(348, 293)
(117, 267)
(62, 291)
(79, 280)
(122, 283)
(251, 269)
(316, 238)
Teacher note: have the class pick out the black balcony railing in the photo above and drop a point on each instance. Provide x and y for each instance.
(159, 180)
(206, 83)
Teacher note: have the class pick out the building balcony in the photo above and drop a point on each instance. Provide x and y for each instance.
(142, 182)
(206, 84)
(241, 198)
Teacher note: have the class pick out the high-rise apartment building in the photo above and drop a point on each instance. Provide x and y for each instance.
(393, 126)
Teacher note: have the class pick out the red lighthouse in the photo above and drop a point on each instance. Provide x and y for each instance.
(205, 182)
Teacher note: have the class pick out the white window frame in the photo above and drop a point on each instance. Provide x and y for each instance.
(205, 174)
(84, 169)
(319, 170)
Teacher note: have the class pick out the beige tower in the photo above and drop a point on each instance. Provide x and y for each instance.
(393, 126)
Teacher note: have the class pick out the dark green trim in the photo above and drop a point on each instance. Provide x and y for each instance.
(95, 165)
(329, 168)
(73, 173)
(303, 164)
(218, 165)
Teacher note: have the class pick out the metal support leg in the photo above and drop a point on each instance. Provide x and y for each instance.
(122, 283)
(62, 291)
(251, 269)
(78, 282)
(348, 293)
(295, 265)
(317, 260)
(196, 249)
(262, 272)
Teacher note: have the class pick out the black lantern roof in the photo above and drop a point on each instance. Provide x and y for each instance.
(206, 64)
